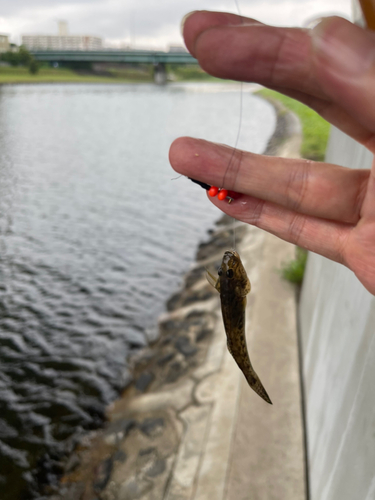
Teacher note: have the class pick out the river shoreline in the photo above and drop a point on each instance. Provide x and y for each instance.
(141, 439)
(16, 75)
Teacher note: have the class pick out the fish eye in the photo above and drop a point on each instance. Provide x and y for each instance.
(220, 271)
(230, 273)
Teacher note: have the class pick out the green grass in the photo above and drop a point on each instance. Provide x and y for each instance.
(133, 74)
(294, 270)
(19, 74)
(314, 143)
(190, 73)
(315, 128)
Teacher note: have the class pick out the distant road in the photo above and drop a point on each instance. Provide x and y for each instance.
(116, 56)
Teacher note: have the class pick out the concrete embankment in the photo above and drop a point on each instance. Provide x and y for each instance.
(189, 427)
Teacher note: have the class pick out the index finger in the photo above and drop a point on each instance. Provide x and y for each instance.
(235, 47)
(332, 71)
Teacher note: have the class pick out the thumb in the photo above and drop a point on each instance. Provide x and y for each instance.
(344, 61)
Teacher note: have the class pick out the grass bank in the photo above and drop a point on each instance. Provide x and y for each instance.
(46, 74)
(19, 74)
(193, 73)
(314, 144)
(315, 128)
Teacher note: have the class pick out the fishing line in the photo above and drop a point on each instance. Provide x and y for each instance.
(238, 135)
(240, 114)
(233, 153)
(222, 193)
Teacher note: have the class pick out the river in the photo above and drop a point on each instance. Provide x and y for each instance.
(95, 234)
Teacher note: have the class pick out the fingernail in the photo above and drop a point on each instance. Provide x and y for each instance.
(343, 47)
(183, 21)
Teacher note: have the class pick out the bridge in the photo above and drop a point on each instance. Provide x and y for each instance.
(157, 58)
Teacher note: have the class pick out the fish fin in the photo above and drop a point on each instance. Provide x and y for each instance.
(213, 281)
(247, 287)
(239, 291)
(243, 288)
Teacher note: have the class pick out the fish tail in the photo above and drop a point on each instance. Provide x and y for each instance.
(257, 386)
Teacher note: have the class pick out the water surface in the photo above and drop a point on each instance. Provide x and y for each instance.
(94, 237)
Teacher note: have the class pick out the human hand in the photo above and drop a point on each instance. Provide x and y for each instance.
(322, 207)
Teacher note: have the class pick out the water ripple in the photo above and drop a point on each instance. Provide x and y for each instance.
(94, 237)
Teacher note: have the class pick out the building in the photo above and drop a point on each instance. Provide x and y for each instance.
(177, 48)
(4, 42)
(62, 41)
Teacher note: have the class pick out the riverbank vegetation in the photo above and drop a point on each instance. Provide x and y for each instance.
(19, 56)
(314, 144)
(189, 73)
(315, 129)
(47, 74)
(294, 270)
(106, 74)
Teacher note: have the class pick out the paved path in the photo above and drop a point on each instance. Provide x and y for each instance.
(254, 451)
(236, 446)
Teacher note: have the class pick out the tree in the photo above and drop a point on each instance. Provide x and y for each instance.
(21, 57)
(33, 66)
(10, 57)
(24, 56)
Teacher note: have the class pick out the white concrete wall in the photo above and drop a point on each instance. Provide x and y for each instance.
(337, 324)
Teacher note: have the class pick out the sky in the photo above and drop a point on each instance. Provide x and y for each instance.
(148, 23)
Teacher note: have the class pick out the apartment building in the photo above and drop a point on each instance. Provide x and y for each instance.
(4, 42)
(62, 42)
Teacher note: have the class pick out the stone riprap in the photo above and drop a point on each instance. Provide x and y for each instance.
(165, 406)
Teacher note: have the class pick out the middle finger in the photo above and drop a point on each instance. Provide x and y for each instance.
(319, 189)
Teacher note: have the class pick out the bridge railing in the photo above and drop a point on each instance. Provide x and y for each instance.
(115, 56)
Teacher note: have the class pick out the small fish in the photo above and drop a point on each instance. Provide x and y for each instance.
(233, 286)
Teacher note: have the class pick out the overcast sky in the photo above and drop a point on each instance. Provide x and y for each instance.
(147, 23)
